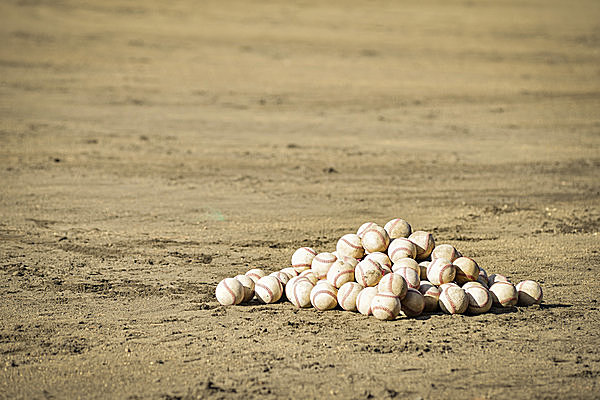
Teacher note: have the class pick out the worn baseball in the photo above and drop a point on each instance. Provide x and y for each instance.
(298, 291)
(340, 273)
(411, 277)
(385, 306)
(397, 228)
(445, 251)
(405, 263)
(290, 271)
(440, 271)
(368, 272)
(467, 270)
(363, 300)
(350, 245)
(347, 295)
(365, 227)
(324, 296)
(529, 292)
(453, 300)
(393, 284)
(480, 300)
(302, 258)
(423, 269)
(268, 289)
(375, 239)
(413, 304)
(229, 292)
(473, 284)
(504, 294)
(282, 276)
(382, 259)
(424, 243)
(248, 285)
(310, 275)
(401, 248)
(349, 260)
(255, 274)
(493, 278)
(431, 295)
(321, 264)
(448, 284)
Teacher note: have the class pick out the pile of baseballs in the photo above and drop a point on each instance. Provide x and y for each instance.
(383, 272)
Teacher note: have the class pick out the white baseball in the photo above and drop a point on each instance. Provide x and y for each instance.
(364, 227)
(413, 304)
(324, 296)
(493, 278)
(375, 239)
(255, 274)
(431, 295)
(440, 271)
(424, 243)
(453, 300)
(363, 300)
(229, 292)
(445, 251)
(302, 258)
(282, 276)
(393, 284)
(401, 248)
(340, 273)
(248, 285)
(268, 289)
(385, 306)
(467, 270)
(321, 264)
(347, 294)
(298, 291)
(504, 294)
(310, 275)
(349, 260)
(350, 245)
(530, 293)
(290, 271)
(480, 300)
(405, 263)
(411, 277)
(473, 284)
(397, 228)
(368, 272)
(448, 284)
(382, 259)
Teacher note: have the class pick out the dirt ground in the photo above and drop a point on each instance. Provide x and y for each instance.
(150, 149)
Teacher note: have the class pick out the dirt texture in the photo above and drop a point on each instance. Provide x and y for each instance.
(150, 149)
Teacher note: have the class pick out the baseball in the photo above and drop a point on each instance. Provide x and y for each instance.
(411, 277)
(401, 248)
(363, 300)
(324, 296)
(229, 292)
(282, 276)
(493, 278)
(424, 243)
(365, 227)
(302, 258)
(448, 284)
(393, 284)
(529, 292)
(504, 294)
(473, 284)
(298, 291)
(480, 300)
(321, 264)
(467, 270)
(397, 228)
(290, 271)
(445, 251)
(453, 300)
(440, 271)
(268, 289)
(347, 294)
(349, 260)
(340, 273)
(310, 275)
(431, 295)
(350, 245)
(405, 263)
(255, 274)
(375, 239)
(423, 269)
(248, 285)
(382, 259)
(385, 306)
(368, 272)
(413, 304)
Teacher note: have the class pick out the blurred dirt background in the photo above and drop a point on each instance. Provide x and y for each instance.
(150, 149)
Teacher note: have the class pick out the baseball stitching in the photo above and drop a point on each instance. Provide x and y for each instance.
(230, 292)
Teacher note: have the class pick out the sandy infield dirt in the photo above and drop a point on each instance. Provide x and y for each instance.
(150, 149)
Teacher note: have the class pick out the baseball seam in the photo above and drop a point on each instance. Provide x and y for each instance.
(451, 303)
(230, 292)
(384, 308)
(318, 292)
(351, 245)
(260, 285)
(309, 250)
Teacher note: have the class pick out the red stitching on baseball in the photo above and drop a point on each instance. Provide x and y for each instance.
(230, 292)
(326, 260)
(408, 251)
(260, 285)
(311, 251)
(451, 303)
(296, 295)
(390, 313)
(350, 244)
(318, 292)
(364, 230)
(394, 223)
(301, 265)
(508, 300)
(345, 297)
(442, 271)
(378, 233)
(340, 274)
(487, 294)
(359, 269)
